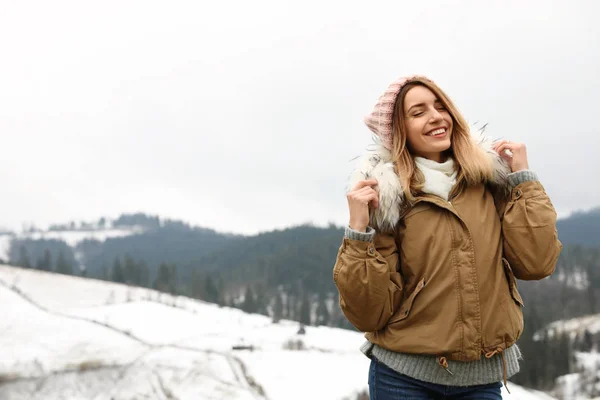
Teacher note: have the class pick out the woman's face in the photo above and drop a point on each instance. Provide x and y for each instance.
(427, 123)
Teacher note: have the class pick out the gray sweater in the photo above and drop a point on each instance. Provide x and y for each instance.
(426, 367)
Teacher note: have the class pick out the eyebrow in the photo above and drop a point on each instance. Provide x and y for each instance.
(422, 105)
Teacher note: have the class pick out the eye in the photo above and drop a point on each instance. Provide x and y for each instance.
(418, 114)
(440, 107)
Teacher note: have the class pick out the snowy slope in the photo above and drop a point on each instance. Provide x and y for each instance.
(72, 338)
(584, 383)
(573, 326)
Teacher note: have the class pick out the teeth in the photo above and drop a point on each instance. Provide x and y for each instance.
(437, 132)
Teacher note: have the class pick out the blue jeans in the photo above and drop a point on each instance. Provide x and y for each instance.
(387, 384)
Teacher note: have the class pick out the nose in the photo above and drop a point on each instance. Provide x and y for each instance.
(435, 115)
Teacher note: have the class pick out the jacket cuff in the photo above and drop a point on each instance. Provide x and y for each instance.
(352, 234)
(516, 178)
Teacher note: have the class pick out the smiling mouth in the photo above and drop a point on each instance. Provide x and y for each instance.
(437, 132)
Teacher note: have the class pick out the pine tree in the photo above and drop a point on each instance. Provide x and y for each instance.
(249, 304)
(593, 276)
(564, 355)
(211, 292)
(221, 290)
(117, 274)
(173, 279)
(144, 273)
(47, 263)
(587, 342)
(260, 300)
(197, 286)
(23, 257)
(322, 311)
(305, 310)
(166, 278)
(131, 272)
(277, 308)
(290, 307)
(104, 272)
(161, 281)
(62, 265)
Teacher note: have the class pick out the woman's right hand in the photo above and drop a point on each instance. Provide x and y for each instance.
(363, 194)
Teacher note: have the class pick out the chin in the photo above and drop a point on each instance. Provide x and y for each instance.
(444, 146)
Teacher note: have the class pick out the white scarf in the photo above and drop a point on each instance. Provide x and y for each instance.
(440, 178)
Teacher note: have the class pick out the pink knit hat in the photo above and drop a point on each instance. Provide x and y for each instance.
(380, 119)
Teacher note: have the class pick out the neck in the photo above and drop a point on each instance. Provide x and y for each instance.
(437, 157)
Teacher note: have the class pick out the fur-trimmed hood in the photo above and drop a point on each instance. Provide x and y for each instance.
(377, 163)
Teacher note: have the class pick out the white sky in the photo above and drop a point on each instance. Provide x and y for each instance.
(244, 115)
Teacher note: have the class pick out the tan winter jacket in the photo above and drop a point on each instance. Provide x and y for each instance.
(440, 276)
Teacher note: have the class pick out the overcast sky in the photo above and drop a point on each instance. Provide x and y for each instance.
(244, 116)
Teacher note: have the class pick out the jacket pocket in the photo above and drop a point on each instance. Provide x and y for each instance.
(512, 282)
(395, 288)
(407, 304)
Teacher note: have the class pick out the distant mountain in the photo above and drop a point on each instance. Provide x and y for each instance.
(582, 228)
(96, 246)
(173, 242)
(299, 257)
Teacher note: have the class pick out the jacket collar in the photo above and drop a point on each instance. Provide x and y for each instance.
(377, 163)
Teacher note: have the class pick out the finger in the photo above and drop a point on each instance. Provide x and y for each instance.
(501, 146)
(371, 199)
(368, 197)
(367, 190)
(509, 145)
(363, 183)
(356, 197)
(506, 146)
(507, 157)
(505, 153)
(500, 143)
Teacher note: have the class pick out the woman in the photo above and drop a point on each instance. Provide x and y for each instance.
(441, 226)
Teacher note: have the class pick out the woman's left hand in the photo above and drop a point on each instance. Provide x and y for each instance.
(517, 159)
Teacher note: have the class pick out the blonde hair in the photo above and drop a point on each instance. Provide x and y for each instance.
(472, 164)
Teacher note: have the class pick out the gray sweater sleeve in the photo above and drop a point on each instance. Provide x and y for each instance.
(362, 236)
(516, 178)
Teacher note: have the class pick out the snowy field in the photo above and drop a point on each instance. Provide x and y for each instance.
(69, 338)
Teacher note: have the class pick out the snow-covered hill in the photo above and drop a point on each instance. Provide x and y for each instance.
(66, 337)
(584, 382)
(573, 327)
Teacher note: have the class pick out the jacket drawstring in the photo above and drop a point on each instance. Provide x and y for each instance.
(491, 354)
(443, 362)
